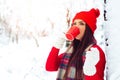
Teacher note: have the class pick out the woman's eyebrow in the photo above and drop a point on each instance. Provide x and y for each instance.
(82, 22)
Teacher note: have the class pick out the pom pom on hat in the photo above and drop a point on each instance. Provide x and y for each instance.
(90, 17)
(96, 11)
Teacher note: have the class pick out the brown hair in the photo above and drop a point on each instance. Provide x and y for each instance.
(77, 53)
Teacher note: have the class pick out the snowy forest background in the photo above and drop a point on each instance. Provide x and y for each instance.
(27, 29)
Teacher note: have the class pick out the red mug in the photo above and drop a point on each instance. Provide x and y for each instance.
(72, 33)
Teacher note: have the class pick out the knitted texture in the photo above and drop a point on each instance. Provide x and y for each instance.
(90, 17)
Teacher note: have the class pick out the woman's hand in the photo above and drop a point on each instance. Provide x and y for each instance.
(92, 58)
(59, 40)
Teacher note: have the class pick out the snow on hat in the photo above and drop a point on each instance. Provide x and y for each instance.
(89, 17)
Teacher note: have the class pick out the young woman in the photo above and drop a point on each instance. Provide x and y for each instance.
(84, 59)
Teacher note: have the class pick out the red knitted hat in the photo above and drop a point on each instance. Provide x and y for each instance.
(89, 17)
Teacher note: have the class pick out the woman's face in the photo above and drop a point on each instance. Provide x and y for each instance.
(81, 25)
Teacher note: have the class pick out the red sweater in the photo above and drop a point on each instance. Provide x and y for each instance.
(53, 62)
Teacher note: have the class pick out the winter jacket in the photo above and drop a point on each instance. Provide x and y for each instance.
(91, 72)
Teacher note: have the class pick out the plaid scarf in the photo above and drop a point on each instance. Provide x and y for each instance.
(64, 63)
(63, 67)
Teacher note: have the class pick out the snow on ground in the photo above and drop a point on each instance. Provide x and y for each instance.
(25, 61)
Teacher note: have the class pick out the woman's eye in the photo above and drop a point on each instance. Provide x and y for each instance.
(74, 24)
(81, 23)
